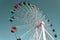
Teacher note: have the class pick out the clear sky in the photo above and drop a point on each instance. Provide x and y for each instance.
(51, 8)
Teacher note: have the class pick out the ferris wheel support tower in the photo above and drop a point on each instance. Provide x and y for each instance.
(43, 30)
(36, 36)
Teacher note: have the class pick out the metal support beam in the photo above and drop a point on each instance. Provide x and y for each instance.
(43, 30)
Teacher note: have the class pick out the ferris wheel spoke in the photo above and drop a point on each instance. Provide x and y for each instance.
(40, 35)
(32, 9)
(42, 18)
(29, 8)
(31, 13)
(27, 32)
(23, 8)
(49, 34)
(26, 7)
(19, 14)
(33, 37)
(27, 14)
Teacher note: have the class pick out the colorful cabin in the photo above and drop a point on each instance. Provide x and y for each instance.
(51, 25)
(24, 3)
(29, 4)
(10, 20)
(12, 12)
(13, 29)
(20, 3)
(48, 20)
(53, 30)
(18, 38)
(16, 6)
(12, 17)
(55, 35)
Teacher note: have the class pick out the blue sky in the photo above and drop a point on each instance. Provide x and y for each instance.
(51, 8)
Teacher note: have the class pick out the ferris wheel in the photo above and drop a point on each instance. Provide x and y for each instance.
(29, 23)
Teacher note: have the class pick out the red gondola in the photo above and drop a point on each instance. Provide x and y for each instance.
(20, 3)
(13, 29)
(16, 6)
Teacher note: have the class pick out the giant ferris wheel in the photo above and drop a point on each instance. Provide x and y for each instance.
(29, 23)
